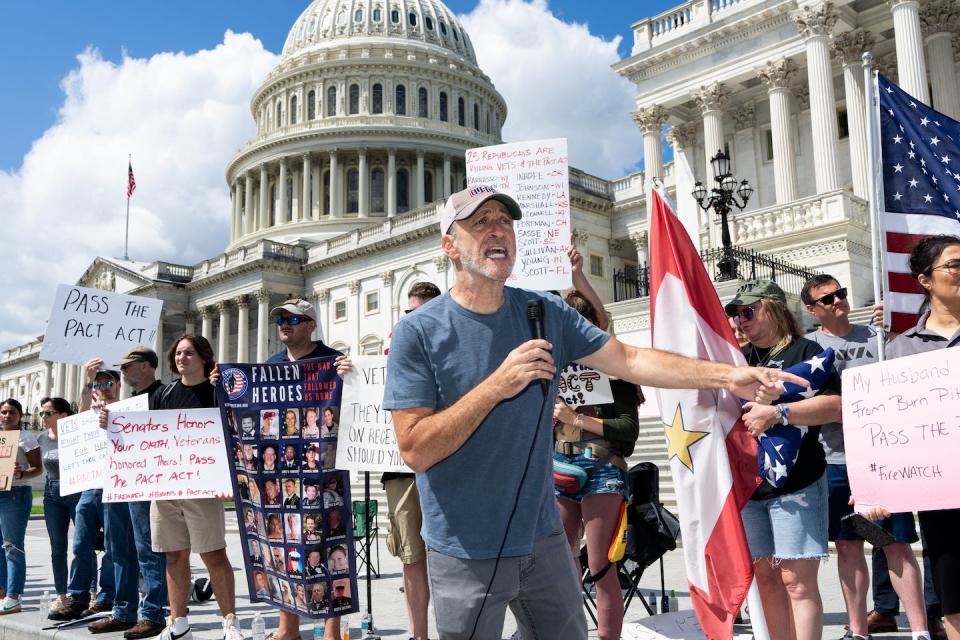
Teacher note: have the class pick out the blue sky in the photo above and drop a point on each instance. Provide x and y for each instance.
(41, 39)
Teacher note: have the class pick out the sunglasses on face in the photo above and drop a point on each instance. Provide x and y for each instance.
(952, 266)
(746, 314)
(107, 384)
(290, 320)
(47, 414)
(827, 300)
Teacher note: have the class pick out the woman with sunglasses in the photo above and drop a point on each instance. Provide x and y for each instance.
(15, 508)
(786, 526)
(935, 264)
(58, 510)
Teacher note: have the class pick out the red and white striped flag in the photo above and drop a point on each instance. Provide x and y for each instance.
(131, 182)
(712, 456)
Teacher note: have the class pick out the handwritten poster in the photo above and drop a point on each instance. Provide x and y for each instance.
(176, 454)
(84, 448)
(281, 422)
(666, 626)
(9, 441)
(582, 386)
(90, 323)
(367, 439)
(536, 175)
(901, 429)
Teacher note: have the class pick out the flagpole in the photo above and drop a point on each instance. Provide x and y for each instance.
(875, 188)
(126, 234)
(758, 621)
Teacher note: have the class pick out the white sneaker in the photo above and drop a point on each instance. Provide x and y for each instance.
(168, 634)
(231, 628)
(10, 605)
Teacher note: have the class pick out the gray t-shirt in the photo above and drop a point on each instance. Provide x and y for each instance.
(437, 356)
(857, 348)
(50, 454)
(28, 442)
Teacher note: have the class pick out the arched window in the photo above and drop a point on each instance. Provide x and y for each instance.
(443, 27)
(443, 106)
(377, 14)
(311, 105)
(371, 346)
(331, 102)
(427, 186)
(353, 190)
(455, 36)
(461, 112)
(288, 214)
(400, 100)
(413, 19)
(423, 110)
(377, 191)
(358, 15)
(476, 116)
(324, 205)
(403, 190)
(279, 113)
(377, 98)
(354, 108)
(395, 16)
(429, 22)
(293, 109)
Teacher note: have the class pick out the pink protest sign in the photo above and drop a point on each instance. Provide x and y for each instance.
(901, 429)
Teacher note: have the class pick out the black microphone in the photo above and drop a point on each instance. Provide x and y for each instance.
(535, 318)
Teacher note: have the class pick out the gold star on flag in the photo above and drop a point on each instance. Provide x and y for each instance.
(679, 440)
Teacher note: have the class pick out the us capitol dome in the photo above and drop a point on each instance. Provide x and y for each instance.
(368, 114)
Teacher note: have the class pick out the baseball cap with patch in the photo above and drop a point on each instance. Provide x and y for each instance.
(753, 291)
(464, 203)
(296, 306)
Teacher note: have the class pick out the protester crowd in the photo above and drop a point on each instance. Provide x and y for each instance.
(462, 383)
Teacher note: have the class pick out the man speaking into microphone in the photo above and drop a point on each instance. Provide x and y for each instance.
(478, 433)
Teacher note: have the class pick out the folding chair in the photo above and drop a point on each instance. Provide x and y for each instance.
(364, 519)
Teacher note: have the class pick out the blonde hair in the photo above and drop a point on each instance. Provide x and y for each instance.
(786, 323)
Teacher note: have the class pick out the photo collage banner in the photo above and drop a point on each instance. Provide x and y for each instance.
(293, 509)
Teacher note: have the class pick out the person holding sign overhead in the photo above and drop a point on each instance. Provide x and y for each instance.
(474, 424)
(15, 504)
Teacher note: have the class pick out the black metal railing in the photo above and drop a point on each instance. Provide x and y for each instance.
(752, 265)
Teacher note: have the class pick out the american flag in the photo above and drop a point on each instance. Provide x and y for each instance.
(920, 151)
(131, 182)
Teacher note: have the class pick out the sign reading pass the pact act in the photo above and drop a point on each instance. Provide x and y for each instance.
(901, 429)
(90, 323)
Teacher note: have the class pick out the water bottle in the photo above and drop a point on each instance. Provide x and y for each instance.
(344, 627)
(258, 628)
(674, 604)
(318, 629)
(366, 624)
(44, 605)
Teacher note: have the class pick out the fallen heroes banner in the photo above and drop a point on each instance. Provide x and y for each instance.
(280, 422)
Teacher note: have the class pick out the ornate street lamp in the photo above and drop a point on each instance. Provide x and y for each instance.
(722, 200)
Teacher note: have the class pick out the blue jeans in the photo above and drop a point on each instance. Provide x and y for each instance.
(83, 569)
(58, 512)
(153, 565)
(788, 527)
(14, 514)
(118, 540)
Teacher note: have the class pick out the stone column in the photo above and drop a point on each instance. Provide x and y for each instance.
(940, 19)
(650, 120)
(711, 100)
(641, 243)
(363, 185)
(387, 279)
(323, 297)
(911, 63)
(223, 342)
(234, 211)
(446, 176)
(683, 137)
(70, 388)
(190, 322)
(263, 323)
(354, 287)
(777, 75)
(419, 184)
(158, 344)
(58, 380)
(815, 22)
(391, 182)
(251, 219)
(848, 48)
(206, 323)
(264, 197)
(317, 203)
(243, 328)
(335, 210)
(296, 191)
(442, 265)
(281, 216)
(306, 202)
(45, 377)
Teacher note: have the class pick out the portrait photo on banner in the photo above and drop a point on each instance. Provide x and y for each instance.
(281, 422)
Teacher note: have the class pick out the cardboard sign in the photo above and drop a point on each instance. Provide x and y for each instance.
(582, 386)
(901, 430)
(367, 439)
(84, 448)
(177, 454)
(9, 442)
(89, 323)
(281, 424)
(536, 175)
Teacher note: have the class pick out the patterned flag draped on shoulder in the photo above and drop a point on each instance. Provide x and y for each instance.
(712, 456)
(780, 444)
(920, 151)
(131, 183)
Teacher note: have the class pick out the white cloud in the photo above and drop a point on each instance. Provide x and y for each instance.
(182, 116)
(557, 82)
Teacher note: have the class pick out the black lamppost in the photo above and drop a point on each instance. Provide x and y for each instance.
(722, 200)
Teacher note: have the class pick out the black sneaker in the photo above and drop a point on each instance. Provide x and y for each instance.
(97, 607)
(71, 609)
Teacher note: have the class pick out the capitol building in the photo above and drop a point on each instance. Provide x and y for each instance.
(362, 129)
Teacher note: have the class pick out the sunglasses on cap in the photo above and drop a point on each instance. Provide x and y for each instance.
(290, 320)
(748, 313)
(839, 294)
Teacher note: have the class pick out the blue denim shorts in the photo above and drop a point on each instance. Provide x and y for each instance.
(901, 525)
(606, 478)
(789, 527)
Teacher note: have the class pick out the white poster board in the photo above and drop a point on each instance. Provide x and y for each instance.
(367, 441)
(89, 323)
(582, 386)
(9, 443)
(176, 454)
(536, 175)
(84, 449)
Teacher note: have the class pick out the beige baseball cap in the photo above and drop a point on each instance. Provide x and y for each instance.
(464, 203)
(296, 306)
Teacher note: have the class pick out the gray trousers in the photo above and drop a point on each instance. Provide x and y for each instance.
(541, 589)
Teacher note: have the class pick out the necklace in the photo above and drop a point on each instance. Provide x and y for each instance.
(761, 360)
